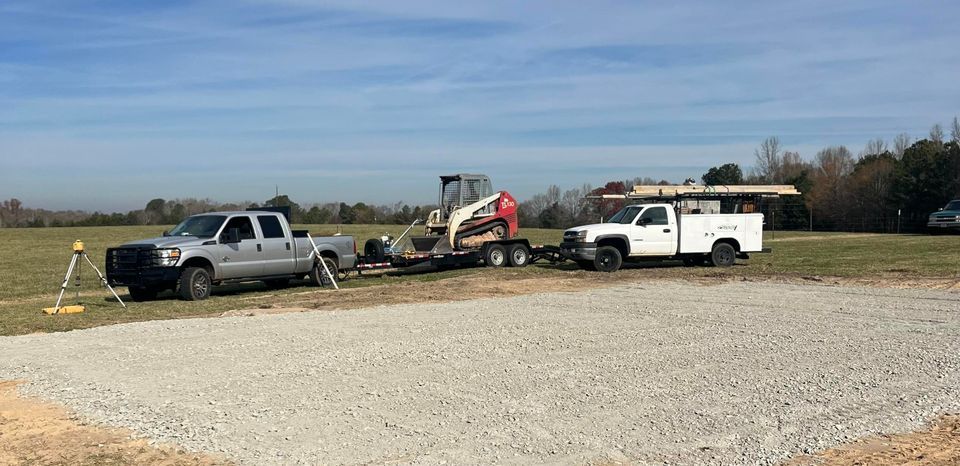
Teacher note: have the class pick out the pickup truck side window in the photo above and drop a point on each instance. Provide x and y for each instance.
(657, 216)
(244, 225)
(270, 226)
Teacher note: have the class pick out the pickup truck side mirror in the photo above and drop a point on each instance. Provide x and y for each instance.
(230, 236)
(166, 233)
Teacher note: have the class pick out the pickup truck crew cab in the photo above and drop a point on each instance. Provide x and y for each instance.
(660, 231)
(218, 247)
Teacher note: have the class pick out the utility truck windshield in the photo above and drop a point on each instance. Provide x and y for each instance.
(625, 215)
(201, 226)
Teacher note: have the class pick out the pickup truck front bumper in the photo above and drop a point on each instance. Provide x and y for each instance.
(940, 225)
(579, 251)
(132, 267)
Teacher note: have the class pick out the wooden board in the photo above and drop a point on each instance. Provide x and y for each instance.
(673, 190)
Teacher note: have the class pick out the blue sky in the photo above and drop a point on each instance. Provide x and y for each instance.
(107, 104)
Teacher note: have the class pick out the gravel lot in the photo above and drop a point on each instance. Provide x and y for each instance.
(658, 372)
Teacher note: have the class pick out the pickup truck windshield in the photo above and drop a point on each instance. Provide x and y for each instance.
(952, 205)
(625, 215)
(201, 226)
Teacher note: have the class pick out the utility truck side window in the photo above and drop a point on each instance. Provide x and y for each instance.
(657, 216)
(626, 215)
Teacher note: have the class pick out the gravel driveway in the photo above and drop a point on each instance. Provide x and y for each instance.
(658, 372)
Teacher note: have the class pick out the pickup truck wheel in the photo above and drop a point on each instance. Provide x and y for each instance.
(195, 284)
(373, 250)
(519, 255)
(608, 259)
(496, 256)
(586, 265)
(319, 277)
(140, 294)
(723, 255)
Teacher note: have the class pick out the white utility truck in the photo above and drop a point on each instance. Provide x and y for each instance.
(695, 224)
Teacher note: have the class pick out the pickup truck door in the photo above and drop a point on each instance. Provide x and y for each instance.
(654, 233)
(243, 259)
(278, 249)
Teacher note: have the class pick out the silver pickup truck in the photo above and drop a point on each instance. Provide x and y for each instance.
(210, 249)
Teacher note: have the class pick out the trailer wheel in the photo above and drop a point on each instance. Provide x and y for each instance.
(496, 256)
(319, 277)
(608, 259)
(723, 255)
(519, 256)
(373, 250)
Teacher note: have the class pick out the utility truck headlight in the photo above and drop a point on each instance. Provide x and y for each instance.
(166, 257)
(581, 236)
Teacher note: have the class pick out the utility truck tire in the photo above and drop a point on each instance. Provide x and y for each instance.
(140, 294)
(519, 255)
(586, 265)
(195, 284)
(319, 277)
(496, 256)
(723, 255)
(373, 250)
(608, 259)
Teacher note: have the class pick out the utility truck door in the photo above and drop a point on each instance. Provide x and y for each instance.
(654, 232)
(240, 259)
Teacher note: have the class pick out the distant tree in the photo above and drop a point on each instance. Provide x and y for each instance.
(726, 174)
(345, 213)
(552, 217)
(830, 198)
(955, 130)
(768, 160)
(936, 134)
(900, 144)
(874, 147)
(155, 211)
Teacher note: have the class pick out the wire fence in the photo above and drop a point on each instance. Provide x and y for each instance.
(793, 216)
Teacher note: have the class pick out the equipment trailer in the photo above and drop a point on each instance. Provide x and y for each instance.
(472, 225)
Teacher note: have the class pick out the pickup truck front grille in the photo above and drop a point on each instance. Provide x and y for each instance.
(951, 218)
(126, 262)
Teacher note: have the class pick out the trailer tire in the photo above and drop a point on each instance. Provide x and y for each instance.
(519, 255)
(319, 277)
(723, 255)
(195, 284)
(373, 250)
(608, 259)
(586, 265)
(496, 256)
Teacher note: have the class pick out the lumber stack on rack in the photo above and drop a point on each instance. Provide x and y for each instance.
(677, 190)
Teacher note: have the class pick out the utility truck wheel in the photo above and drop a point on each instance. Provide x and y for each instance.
(519, 256)
(496, 256)
(195, 284)
(319, 277)
(723, 255)
(373, 250)
(586, 265)
(608, 259)
(140, 294)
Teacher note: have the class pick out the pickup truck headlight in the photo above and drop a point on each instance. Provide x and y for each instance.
(165, 257)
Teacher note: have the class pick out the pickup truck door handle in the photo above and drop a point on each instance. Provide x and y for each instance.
(259, 248)
(666, 230)
(288, 246)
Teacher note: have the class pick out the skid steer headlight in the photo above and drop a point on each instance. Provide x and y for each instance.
(165, 257)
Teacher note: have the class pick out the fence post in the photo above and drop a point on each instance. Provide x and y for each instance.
(898, 221)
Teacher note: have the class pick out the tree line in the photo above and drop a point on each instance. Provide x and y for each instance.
(887, 187)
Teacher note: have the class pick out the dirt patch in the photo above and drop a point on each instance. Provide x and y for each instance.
(938, 445)
(34, 432)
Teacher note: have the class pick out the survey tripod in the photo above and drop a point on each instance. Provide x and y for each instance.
(78, 253)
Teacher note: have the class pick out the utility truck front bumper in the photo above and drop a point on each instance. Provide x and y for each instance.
(579, 251)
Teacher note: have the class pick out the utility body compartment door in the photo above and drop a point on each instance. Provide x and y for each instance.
(279, 254)
(654, 233)
(243, 259)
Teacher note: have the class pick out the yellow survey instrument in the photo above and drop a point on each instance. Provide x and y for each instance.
(78, 253)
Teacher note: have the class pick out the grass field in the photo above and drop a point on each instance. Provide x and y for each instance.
(33, 262)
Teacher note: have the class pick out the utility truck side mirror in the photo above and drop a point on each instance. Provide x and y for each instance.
(231, 236)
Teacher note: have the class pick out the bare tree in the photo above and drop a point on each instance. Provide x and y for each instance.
(768, 160)
(936, 134)
(955, 130)
(900, 144)
(874, 147)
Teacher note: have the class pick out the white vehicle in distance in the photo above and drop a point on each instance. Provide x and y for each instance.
(699, 224)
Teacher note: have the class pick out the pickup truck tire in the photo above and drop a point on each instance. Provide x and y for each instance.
(140, 294)
(496, 256)
(373, 250)
(195, 284)
(723, 255)
(519, 255)
(608, 259)
(319, 277)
